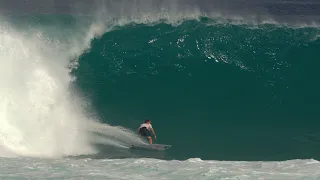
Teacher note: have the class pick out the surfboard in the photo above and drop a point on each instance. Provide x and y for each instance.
(158, 147)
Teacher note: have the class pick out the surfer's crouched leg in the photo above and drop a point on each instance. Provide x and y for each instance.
(150, 139)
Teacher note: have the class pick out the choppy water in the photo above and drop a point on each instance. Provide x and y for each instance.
(157, 169)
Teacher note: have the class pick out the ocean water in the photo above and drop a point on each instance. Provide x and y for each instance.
(233, 87)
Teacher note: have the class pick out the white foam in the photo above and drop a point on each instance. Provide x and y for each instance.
(40, 114)
(158, 169)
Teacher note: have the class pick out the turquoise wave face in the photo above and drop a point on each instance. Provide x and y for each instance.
(212, 90)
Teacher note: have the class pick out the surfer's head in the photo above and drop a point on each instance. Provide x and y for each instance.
(147, 121)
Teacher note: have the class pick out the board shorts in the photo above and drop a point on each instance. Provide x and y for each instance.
(144, 132)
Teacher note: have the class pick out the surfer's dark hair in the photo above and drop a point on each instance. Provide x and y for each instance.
(146, 121)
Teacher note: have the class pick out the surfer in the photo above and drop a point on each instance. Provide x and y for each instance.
(144, 130)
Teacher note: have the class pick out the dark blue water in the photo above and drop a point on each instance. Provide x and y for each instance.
(234, 80)
(214, 91)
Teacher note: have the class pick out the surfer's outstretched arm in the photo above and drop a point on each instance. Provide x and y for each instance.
(155, 137)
